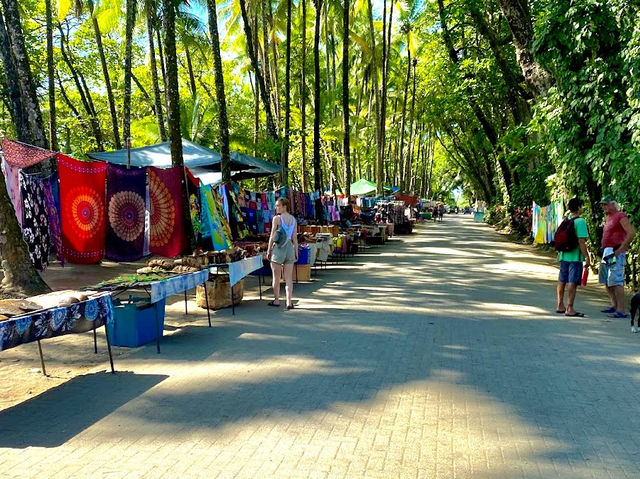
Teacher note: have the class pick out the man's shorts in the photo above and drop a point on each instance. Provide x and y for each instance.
(613, 274)
(570, 272)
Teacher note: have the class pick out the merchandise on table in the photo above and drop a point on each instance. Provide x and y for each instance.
(77, 317)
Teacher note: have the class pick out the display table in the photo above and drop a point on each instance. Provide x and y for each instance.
(162, 289)
(238, 270)
(57, 321)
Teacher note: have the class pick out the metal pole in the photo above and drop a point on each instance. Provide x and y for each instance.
(106, 335)
(206, 299)
(44, 371)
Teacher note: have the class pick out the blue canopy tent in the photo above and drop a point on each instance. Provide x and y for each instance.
(201, 160)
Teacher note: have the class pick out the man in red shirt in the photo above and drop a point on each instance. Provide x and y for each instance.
(618, 234)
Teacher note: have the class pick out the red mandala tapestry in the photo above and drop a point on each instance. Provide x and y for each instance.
(82, 209)
(167, 235)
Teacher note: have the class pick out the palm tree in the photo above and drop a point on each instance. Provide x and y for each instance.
(126, 106)
(264, 93)
(317, 172)
(345, 96)
(303, 95)
(223, 122)
(53, 137)
(173, 93)
(287, 106)
(152, 25)
(105, 72)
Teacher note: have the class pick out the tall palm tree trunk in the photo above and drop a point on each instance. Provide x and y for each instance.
(317, 173)
(223, 122)
(303, 95)
(151, 21)
(51, 85)
(264, 93)
(23, 70)
(345, 97)
(126, 104)
(173, 106)
(107, 79)
(287, 102)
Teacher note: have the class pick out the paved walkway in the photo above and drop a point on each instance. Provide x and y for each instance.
(435, 357)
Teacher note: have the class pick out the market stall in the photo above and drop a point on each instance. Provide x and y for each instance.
(65, 318)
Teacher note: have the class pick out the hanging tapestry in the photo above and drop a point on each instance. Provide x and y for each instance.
(35, 229)
(125, 212)
(51, 201)
(195, 205)
(12, 180)
(167, 235)
(217, 227)
(82, 209)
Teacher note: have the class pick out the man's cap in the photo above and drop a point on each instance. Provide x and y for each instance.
(607, 199)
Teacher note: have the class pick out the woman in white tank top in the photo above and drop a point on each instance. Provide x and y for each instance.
(283, 256)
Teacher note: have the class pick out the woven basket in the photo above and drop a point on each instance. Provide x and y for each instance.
(220, 293)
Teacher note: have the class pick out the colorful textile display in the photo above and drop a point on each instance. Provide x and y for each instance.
(215, 225)
(126, 206)
(77, 318)
(167, 235)
(82, 209)
(545, 221)
(240, 269)
(52, 202)
(35, 221)
(12, 180)
(22, 155)
(195, 205)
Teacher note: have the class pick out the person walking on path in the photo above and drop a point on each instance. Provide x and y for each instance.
(616, 237)
(571, 262)
(283, 251)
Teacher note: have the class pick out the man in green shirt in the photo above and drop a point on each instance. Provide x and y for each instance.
(571, 262)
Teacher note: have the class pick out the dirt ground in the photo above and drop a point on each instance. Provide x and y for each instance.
(72, 355)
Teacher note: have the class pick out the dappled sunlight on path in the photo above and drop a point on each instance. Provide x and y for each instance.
(438, 355)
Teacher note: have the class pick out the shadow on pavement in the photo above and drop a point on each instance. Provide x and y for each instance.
(57, 415)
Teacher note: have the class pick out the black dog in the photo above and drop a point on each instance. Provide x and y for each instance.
(635, 305)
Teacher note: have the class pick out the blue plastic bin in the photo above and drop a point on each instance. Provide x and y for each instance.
(478, 216)
(304, 255)
(134, 326)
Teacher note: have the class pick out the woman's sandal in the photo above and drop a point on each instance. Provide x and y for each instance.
(273, 303)
(290, 306)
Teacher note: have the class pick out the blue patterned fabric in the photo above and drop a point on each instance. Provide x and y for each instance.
(77, 318)
(177, 284)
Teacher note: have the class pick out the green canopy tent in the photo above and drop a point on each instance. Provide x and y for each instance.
(363, 187)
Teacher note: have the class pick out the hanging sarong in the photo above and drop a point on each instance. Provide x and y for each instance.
(82, 209)
(167, 235)
(35, 229)
(216, 227)
(52, 201)
(125, 213)
(12, 180)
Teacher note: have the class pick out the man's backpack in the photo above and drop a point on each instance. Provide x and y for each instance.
(566, 238)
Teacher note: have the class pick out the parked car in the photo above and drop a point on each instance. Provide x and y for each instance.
(453, 209)
(467, 210)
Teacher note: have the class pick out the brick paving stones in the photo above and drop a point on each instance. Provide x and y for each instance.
(437, 356)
